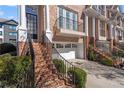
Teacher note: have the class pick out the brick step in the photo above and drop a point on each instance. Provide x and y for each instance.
(55, 83)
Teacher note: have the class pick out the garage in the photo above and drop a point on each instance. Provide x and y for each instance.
(68, 50)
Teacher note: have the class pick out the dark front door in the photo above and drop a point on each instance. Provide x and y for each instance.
(32, 25)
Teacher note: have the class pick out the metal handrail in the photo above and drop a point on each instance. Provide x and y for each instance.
(68, 79)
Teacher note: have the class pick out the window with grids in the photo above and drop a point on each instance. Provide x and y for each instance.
(32, 25)
(67, 19)
(102, 28)
(67, 45)
(59, 45)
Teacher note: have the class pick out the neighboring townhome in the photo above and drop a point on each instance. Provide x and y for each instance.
(8, 33)
(104, 26)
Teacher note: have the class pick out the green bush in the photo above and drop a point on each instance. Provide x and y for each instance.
(13, 68)
(60, 66)
(7, 48)
(80, 76)
(91, 55)
(106, 62)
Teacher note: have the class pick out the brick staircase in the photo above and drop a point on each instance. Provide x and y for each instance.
(45, 72)
(107, 56)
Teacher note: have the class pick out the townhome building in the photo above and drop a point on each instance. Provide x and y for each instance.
(66, 32)
(105, 26)
(8, 33)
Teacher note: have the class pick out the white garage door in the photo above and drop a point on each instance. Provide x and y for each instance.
(68, 51)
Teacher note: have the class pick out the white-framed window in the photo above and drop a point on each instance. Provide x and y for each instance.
(67, 45)
(67, 19)
(58, 45)
(74, 45)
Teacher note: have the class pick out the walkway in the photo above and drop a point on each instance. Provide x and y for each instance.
(100, 76)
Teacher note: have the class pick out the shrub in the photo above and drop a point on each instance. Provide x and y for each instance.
(60, 66)
(12, 69)
(106, 62)
(80, 76)
(91, 55)
(6, 48)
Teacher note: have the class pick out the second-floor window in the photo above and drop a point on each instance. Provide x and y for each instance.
(67, 19)
(12, 27)
(102, 28)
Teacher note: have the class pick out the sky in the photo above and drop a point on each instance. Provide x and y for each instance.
(8, 12)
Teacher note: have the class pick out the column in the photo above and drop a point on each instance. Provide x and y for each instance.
(49, 33)
(111, 31)
(22, 29)
(86, 38)
(86, 25)
(111, 37)
(93, 24)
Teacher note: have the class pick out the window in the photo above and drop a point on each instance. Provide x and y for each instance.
(74, 46)
(102, 28)
(67, 19)
(75, 21)
(12, 40)
(0, 33)
(12, 33)
(12, 27)
(67, 45)
(59, 45)
(32, 25)
(61, 17)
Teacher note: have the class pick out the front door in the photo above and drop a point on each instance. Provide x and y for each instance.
(31, 16)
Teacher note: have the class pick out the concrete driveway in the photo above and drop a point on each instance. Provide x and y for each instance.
(100, 76)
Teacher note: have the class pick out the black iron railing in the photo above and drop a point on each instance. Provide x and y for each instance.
(68, 77)
(67, 23)
(26, 79)
(99, 9)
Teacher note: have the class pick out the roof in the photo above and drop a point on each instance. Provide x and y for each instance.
(9, 22)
